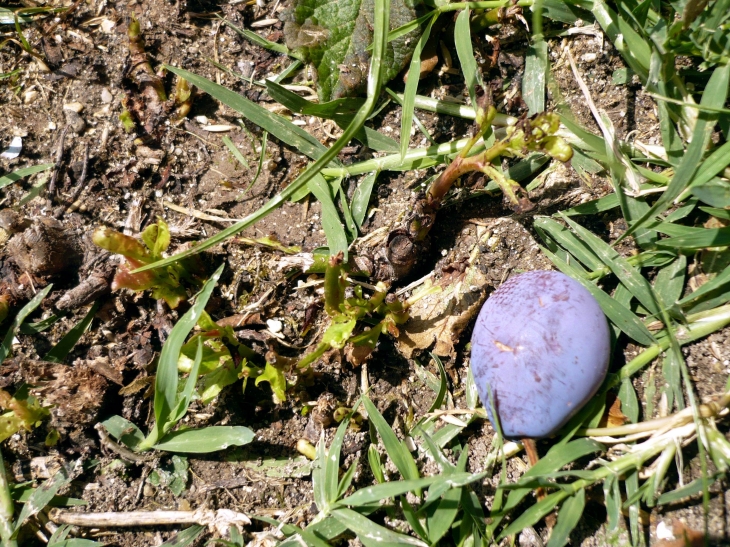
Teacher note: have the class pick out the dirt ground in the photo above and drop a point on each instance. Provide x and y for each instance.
(71, 102)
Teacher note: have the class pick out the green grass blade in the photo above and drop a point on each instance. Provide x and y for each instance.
(386, 490)
(167, 377)
(332, 463)
(263, 42)
(715, 94)
(702, 239)
(19, 174)
(187, 393)
(206, 439)
(371, 533)
(441, 394)
(236, 152)
(576, 246)
(721, 283)
(318, 480)
(533, 514)
(43, 495)
(441, 515)
(410, 513)
(715, 192)
(281, 128)
(397, 451)
(61, 350)
(331, 224)
(462, 41)
(635, 50)
(24, 312)
(669, 282)
(184, 538)
(568, 519)
(374, 83)
(536, 65)
(331, 110)
(629, 276)
(361, 198)
(409, 93)
(376, 467)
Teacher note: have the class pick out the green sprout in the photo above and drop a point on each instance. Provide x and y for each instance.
(173, 397)
(164, 283)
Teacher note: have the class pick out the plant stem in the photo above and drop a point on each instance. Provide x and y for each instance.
(6, 509)
(393, 162)
(700, 325)
(457, 6)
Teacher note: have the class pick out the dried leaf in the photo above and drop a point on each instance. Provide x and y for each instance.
(441, 317)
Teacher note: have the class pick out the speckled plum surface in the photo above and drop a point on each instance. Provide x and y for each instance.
(542, 344)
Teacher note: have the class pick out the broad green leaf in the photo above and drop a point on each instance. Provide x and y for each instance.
(206, 439)
(334, 35)
(276, 380)
(124, 431)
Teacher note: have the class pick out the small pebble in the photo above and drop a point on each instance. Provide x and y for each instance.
(74, 107)
(30, 96)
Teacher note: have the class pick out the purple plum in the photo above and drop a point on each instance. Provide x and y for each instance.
(541, 344)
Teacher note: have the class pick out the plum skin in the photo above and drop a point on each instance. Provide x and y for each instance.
(541, 344)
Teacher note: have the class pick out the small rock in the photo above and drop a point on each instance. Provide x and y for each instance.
(74, 121)
(106, 96)
(74, 107)
(30, 96)
(275, 326)
(107, 26)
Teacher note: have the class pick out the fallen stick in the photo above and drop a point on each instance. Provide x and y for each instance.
(217, 520)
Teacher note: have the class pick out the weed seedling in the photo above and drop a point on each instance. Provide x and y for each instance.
(172, 398)
(165, 283)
